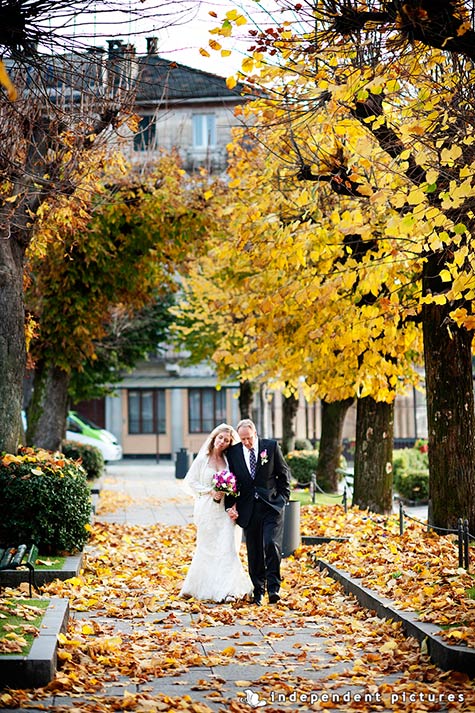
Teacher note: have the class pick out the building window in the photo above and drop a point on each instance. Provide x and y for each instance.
(147, 411)
(145, 137)
(204, 130)
(206, 408)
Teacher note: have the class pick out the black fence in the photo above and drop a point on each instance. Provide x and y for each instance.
(463, 533)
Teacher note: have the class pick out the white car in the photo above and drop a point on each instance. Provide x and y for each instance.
(81, 430)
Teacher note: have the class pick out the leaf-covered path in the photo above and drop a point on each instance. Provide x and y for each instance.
(132, 644)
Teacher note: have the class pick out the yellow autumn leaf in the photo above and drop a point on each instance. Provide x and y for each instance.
(416, 196)
(74, 581)
(229, 651)
(389, 646)
(448, 156)
(6, 82)
(247, 65)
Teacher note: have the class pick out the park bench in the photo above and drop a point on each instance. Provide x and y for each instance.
(14, 557)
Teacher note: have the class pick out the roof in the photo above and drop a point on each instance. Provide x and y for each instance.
(164, 80)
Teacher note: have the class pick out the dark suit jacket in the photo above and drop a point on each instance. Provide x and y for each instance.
(272, 481)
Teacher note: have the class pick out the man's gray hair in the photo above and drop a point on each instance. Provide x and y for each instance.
(246, 423)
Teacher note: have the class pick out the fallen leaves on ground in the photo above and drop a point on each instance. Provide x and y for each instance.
(12, 636)
(417, 570)
(130, 631)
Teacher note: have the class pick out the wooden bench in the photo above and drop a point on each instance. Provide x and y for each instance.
(14, 557)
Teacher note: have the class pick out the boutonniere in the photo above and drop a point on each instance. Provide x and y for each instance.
(264, 457)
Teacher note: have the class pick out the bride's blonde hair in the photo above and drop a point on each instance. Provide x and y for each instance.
(222, 428)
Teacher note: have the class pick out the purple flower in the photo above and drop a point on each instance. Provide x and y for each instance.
(225, 482)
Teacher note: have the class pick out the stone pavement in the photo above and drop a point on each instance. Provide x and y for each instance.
(150, 491)
(270, 657)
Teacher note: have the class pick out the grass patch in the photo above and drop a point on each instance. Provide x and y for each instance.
(452, 625)
(44, 562)
(20, 621)
(304, 497)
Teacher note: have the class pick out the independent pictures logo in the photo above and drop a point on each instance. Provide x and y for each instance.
(252, 699)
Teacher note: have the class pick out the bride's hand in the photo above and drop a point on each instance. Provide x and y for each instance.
(233, 513)
(218, 496)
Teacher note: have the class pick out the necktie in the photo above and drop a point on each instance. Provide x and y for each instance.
(252, 463)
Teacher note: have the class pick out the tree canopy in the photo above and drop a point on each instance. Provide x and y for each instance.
(390, 85)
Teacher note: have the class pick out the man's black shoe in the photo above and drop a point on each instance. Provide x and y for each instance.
(274, 598)
(257, 600)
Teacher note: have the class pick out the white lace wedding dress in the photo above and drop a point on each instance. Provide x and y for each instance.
(216, 572)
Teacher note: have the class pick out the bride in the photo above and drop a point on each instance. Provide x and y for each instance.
(216, 572)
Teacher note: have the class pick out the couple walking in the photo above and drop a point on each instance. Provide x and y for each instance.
(263, 485)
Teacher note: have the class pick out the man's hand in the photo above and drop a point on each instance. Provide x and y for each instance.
(233, 513)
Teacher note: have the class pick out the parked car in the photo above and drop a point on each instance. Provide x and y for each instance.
(82, 430)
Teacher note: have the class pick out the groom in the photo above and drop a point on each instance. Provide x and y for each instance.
(263, 480)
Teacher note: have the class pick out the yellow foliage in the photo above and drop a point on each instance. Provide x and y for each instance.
(6, 82)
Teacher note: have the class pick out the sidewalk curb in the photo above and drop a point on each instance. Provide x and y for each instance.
(39, 667)
(446, 656)
(71, 567)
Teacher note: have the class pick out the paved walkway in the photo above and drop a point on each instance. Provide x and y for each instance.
(148, 494)
(271, 657)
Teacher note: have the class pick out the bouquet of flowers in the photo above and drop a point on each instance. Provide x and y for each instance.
(225, 482)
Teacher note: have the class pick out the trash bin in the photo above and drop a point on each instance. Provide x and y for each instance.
(181, 463)
(291, 539)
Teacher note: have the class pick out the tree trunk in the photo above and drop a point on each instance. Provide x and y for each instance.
(373, 455)
(12, 342)
(246, 391)
(290, 405)
(48, 408)
(450, 418)
(333, 418)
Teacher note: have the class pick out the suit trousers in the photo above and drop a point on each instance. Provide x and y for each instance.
(264, 535)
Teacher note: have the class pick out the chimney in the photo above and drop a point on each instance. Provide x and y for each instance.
(116, 48)
(152, 45)
(121, 64)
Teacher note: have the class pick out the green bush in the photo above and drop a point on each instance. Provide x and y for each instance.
(406, 459)
(302, 464)
(303, 444)
(411, 474)
(44, 499)
(413, 485)
(90, 457)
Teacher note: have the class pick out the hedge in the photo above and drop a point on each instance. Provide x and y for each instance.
(44, 499)
(302, 464)
(89, 457)
(411, 474)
